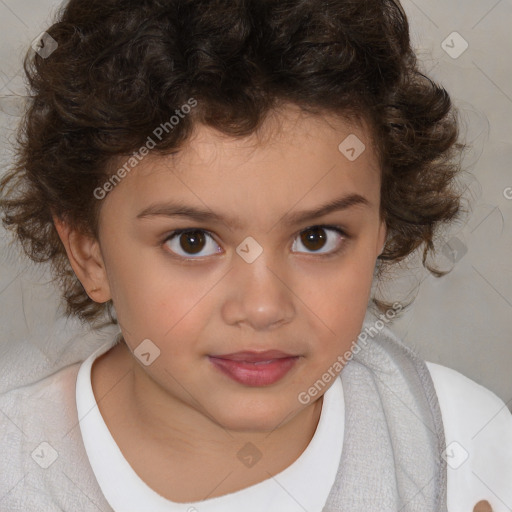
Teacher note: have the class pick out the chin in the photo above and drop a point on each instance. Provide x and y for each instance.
(255, 419)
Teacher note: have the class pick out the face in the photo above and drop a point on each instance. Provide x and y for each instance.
(253, 273)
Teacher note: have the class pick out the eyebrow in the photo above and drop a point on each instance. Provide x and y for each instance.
(170, 209)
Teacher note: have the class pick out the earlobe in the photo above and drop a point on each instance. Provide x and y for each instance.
(86, 260)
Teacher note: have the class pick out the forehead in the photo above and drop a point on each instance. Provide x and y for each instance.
(285, 132)
(293, 158)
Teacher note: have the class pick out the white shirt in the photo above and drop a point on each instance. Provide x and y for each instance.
(478, 432)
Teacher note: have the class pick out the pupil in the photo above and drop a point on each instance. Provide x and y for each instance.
(196, 239)
(315, 235)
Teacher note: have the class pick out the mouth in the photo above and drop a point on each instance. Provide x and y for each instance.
(255, 369)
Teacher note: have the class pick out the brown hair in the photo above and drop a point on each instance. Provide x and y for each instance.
(123, 68)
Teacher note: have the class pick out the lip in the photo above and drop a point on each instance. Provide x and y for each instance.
(253, 356)
(255, 368)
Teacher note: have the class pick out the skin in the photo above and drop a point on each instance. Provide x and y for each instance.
(188, 419)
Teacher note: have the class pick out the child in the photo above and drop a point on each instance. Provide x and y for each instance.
(221, 179)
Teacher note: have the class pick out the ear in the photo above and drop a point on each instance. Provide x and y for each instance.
(381, 237)
(85, 257)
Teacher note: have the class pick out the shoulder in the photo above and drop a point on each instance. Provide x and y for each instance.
(33, 421)
(38, 406)
(58, 386)
(467, 396)
(478, 431)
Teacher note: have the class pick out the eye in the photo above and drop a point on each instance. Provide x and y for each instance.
(315, 238)
(191, 242)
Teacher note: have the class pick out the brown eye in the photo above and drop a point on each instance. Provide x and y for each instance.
(316, 238)
(313, 238)
(190, 242)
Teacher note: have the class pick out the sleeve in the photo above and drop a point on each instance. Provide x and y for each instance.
(478, 431)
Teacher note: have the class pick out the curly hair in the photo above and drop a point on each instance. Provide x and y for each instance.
(123, 68)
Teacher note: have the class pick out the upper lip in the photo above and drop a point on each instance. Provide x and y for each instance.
(251, 357)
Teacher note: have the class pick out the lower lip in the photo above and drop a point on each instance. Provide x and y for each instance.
(251, 374)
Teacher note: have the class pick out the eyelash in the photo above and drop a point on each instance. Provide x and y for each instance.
(328, 227)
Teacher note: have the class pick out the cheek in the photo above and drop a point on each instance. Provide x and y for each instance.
(341, 302)
(138, 288)
(343, 288)
(163, 304)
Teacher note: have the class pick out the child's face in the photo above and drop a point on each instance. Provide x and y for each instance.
(291, 298)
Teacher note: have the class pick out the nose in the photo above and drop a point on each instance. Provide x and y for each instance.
(259, 295)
